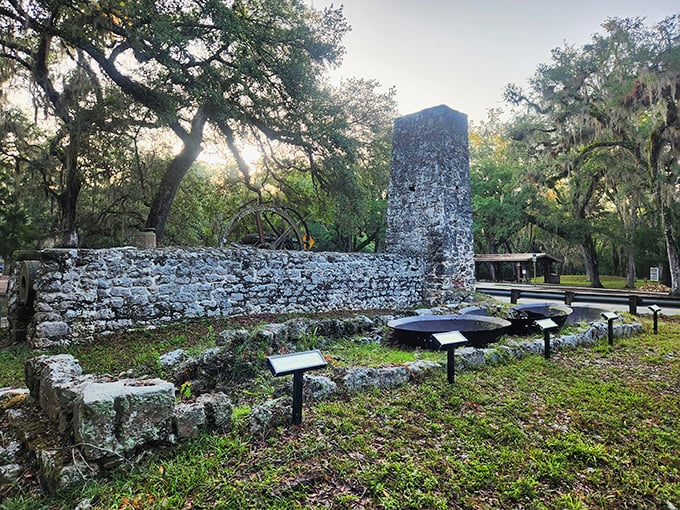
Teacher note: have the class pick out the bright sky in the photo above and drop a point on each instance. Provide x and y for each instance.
(462, 53)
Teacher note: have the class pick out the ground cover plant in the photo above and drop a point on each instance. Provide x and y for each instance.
(592, 428)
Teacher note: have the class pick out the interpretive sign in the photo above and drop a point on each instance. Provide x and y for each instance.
(546, 324)
(296, 363)
(286, 364)
(449, 341)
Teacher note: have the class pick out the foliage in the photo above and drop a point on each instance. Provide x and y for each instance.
(25, 213)
(233, 74)
(246, 68)
(500, 195)
(591, 135)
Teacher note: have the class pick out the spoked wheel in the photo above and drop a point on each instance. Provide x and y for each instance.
(267, 227)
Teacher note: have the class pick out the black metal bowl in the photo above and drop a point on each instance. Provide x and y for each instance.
(474, 310)
(417, 331)
(523, 317)
(586, 313)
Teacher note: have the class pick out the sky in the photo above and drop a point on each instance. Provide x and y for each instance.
(463, 53)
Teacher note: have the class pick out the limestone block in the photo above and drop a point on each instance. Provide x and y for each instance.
(10, 453)
(359, 378)
(59, 471)
(422, 366)
(218, 410)
(171, 359)
(471, 357)
(271, 414)
(10, 474)
(317, 387)
(189, 419)
(115, 418)
(232, 337)
(61, 366)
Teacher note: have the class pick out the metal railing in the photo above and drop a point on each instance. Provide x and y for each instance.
(570, 296)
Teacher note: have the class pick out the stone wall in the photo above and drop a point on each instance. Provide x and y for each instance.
(81, 293)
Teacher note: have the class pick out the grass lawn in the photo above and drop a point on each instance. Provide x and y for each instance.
(580, 280)
(592, 428)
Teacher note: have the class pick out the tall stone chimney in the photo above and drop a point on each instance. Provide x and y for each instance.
(429, 213)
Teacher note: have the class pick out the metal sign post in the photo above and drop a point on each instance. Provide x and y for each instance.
(297, 364)
(450, 341)
(546, 325)
(655, 310)
(610, 317)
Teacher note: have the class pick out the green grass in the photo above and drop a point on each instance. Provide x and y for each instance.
(580, 280)
(138, 350)
(592, 428)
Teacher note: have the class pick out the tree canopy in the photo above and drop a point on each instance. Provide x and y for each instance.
(600, 125)
(246, 68)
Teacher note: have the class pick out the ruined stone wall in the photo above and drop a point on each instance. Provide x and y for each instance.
(80, 293)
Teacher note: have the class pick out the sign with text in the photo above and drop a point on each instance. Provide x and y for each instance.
(546, 324)
(654, 274)
(285, 364)
(450, 339)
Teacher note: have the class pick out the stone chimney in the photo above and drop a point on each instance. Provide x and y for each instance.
(429, 213)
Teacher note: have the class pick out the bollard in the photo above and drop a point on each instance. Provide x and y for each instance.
(514, 296)
(569, 297)
(633, 302)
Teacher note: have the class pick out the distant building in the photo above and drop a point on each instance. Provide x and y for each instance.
(517, 267)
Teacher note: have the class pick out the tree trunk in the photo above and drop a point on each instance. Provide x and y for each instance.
(590, 261)
(172, 178)
(672, 250)
(630, 268)
(68, 198)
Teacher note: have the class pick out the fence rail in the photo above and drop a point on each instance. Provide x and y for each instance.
(634, 301)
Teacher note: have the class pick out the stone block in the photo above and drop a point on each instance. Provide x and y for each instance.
(218, 410)
(317, 387)
(62, 366)
(59, 471)
(361, 377)
(471, 357)
(10, 474)
(271, 414)
(189, 419)
(116, 418)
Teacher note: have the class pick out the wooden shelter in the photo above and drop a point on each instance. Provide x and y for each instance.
(521, 267)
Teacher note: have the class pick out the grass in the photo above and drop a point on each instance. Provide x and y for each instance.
(580, 280)
(592, 428)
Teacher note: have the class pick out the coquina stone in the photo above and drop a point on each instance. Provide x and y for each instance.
(189, 419)
(114, 289)
(218, 410)
(115, 418)
(271, 414)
